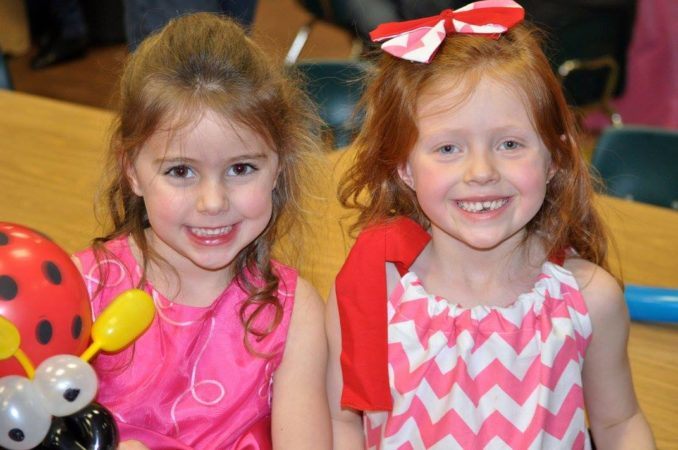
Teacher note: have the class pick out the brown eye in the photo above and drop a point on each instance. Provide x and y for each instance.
(241, 169)
(179, 171)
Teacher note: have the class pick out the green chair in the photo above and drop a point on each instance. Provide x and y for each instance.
(335, 87)
(639, 163)
(5, 79)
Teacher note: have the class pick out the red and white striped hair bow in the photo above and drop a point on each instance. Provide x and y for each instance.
(417, 40)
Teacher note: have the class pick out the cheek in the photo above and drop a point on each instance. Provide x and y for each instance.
(254, 202)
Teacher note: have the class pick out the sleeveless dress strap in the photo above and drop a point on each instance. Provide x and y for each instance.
(361, 298)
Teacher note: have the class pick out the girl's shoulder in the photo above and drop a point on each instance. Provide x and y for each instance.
(288, 278)
(601, 292)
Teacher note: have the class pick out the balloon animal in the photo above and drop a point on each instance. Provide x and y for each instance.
(45, 318)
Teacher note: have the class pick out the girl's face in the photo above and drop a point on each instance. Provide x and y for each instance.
(479, 168)
(207, 190)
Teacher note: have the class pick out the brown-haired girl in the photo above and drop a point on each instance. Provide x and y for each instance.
(475, 309)
(206, 164)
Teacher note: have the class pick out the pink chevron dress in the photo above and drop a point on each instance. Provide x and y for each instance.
(188, 382)
(485, 377)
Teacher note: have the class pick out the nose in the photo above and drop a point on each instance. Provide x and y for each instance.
(212, 197)
(480, 168)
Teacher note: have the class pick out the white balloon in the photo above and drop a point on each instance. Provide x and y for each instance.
(67, 383)
(24, 422)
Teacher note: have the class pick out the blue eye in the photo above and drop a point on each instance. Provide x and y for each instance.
(180, 171)
(240, 169)
(448, 149)
(510, 145)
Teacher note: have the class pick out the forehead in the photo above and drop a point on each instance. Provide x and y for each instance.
(206, 130)
(457, 96)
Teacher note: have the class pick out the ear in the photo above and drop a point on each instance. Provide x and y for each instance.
(405, 173)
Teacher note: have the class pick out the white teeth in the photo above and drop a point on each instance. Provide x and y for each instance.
(482, 206)
(208, 232)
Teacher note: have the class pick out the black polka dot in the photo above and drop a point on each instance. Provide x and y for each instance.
(51, 272)
(16, 434)
(43, 332)
(8, 287)
(3, 238)
(76, 327)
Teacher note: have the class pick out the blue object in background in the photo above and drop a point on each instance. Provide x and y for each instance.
(652, 304)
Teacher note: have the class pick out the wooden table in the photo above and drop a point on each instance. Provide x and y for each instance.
(51, 158)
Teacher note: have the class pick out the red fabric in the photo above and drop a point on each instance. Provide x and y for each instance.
(361, 299)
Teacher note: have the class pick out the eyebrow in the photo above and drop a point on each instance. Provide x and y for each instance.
(232, 160)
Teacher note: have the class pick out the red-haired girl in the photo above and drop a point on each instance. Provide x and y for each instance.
(475, 309)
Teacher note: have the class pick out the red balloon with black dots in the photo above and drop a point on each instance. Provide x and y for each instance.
(43, 294)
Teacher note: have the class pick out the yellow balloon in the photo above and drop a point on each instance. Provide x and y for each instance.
(10, 340)
(124, 320)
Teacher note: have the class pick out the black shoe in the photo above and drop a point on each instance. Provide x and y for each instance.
(59, 50)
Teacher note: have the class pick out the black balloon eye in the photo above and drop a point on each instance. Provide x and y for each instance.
(3, 238)
(43, 332)
(51, 272)
(16, 435)
(71, 394)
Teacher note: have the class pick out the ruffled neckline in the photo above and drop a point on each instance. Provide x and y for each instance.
(509, 317)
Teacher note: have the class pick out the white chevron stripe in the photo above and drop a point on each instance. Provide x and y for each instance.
(495, 399)
(447, 443)
(494, 348)
(405, 334)
(545, 440)
(401, 402)
(561, 329)
(408, 433)
(496, 443)
(582, 322)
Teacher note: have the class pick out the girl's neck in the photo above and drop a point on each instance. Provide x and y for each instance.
(470, 276)
(186, 284)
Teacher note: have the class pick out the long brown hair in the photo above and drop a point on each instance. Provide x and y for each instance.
(567, 219)
(204, 62)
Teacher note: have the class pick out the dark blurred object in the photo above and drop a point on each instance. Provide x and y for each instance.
(5, 79)
(59, 29)
(142, 17)
(335, 87)
(105, 20)
(639, 163)
(587, 44)
(340, 13)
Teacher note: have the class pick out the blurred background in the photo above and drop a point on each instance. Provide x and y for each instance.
(617, 59)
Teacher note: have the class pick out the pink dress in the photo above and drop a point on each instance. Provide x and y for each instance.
(188, 382)
(485, 377)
